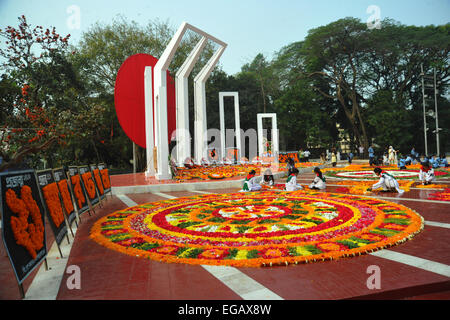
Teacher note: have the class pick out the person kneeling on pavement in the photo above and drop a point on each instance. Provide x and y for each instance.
(387, 182)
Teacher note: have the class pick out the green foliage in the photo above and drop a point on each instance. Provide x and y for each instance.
(365, 81)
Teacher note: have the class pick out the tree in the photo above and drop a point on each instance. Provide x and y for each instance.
(333, 53)
(36, 76)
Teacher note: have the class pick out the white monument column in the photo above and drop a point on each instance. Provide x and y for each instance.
(274, 135)
(182, 102)
(160, 104)
(160, 128)
(237, 122)
(200, 125)
(150, 170)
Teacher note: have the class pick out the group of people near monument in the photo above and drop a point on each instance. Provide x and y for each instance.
(387, 182)
(394, 157)
(251, 184)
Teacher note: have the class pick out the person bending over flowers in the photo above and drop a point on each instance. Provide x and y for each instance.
(387, 182)
(426, 173)
(268, 178)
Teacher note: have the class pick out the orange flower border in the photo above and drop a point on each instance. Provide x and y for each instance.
(394, 224)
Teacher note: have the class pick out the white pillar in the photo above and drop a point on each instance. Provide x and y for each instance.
(160, 104)
(160, 95)
(237, 122)
(182, 102)
(274, 135)
(200, 125)
(149, 143)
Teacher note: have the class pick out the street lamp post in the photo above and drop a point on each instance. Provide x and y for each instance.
(424, 116)
(436, 114)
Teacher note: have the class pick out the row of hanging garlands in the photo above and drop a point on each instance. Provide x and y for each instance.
(28, 197)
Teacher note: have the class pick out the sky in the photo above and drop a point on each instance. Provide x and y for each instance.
(248, 27)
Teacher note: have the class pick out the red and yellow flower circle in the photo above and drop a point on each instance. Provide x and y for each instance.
(257, 229)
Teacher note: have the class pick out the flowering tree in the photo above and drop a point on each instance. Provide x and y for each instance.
(38, 79)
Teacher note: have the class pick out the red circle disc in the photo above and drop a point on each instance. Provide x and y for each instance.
(129, 97)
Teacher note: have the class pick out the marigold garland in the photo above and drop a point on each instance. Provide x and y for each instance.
(105, 178)
(65, 194)
(257, 228)
(51, 197)
(99, 181)
(89, 184)
(78, 191)
(28, 235)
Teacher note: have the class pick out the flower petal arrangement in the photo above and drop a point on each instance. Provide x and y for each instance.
(364, 172)
(441, 195)
(256, 229)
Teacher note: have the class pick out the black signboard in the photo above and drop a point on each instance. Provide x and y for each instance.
(66, 194)
(53, 205)
(89, 184)
(79, 192)
(98, 180)
(23, 226)
(105, 177)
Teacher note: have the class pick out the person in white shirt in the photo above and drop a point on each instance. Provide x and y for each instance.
(387, 182)
(319, 180)
(426, 174)
(306, 154)
(291, 183)
(250, 183)
(392, 155)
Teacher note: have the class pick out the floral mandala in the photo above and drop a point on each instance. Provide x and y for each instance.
(369, 174)
(257, 229)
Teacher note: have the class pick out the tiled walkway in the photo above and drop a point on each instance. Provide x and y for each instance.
(107, 274)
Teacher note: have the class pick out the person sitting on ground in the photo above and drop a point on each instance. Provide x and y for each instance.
(385, 159)
(291, 183)
(250, 183)
(188, 163)
(227, 161)
(387, 182)
(204, 162)
(290, 165)
(409, 160)
(436, 162)
(443, 161)
(426, 173)
(268, 178)
(319, 181)
(401, 163)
